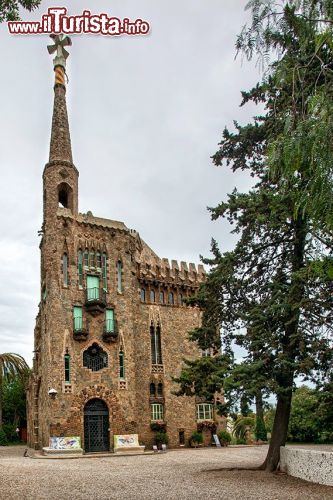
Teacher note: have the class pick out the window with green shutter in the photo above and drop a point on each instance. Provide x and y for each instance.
(109, 320)
(92, 287)
(77, 313)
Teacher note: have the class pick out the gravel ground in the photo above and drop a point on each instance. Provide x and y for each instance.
(182, 474)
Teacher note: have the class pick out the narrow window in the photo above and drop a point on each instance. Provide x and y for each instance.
(143, 295)
(182, 438)
(98, 260)
(157, 411)
(77, 317)
(121, 365)
(152, 389)
(160, 390)
(67, 360)
(80, 268)
(171, 298)
(91, 259)
(155, 342)
(86, 259)
(161, 297)
(109, 321)
(180, 299)
(152, 296)
(65, 269)
(119, 276)
(104, 271)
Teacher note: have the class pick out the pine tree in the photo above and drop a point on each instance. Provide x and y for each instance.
(272, 294)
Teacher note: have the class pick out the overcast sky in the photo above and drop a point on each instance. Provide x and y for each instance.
(146, 114)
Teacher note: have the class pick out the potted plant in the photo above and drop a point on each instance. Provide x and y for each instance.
(225, 438)
(196, 439)
(161, 438)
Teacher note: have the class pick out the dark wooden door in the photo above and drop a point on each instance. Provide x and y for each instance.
(96, 426)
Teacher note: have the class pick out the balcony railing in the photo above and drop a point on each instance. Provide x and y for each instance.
(80, 329)
(110, 330)
(95, 300)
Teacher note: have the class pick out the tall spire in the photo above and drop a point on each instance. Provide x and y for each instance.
(60, 145)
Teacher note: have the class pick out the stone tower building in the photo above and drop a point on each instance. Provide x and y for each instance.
(112, 325)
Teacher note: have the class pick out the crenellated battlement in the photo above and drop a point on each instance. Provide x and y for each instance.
(176, 274)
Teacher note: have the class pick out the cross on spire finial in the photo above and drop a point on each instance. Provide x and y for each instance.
(60, 42)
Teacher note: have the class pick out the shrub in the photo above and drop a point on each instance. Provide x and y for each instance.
(196, 438)
(260, 430)
(161, 438)
(11, 434)
(224, 437)
(240, 441)
(3, 438)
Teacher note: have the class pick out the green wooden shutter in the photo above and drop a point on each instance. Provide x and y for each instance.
(77, 312)
(92, 287)
(109, 320)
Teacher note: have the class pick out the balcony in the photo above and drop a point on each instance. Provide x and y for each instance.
(80, 329)
(95, 300)
(110, 330)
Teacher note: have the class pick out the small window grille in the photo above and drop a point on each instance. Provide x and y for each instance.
(95, 358)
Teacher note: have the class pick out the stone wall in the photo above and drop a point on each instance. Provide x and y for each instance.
(309, 464)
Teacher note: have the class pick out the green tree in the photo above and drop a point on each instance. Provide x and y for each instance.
(302, 424)
(272, 295)
(11, 366)
(14, 400)
(9, 9)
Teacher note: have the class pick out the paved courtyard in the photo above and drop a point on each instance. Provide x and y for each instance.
(184, 474)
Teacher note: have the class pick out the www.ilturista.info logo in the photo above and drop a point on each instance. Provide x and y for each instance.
(56, 21)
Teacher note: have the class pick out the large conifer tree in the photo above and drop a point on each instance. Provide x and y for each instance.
(272, 294)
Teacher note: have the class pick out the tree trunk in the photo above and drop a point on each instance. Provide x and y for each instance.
(279, 432)
(259, 405)
(260, 417)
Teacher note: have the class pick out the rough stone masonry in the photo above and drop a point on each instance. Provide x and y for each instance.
(112, 327)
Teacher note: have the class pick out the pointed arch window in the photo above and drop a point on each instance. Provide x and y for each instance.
(65, 269)
(152, 389)
(160, 390)
(121, 365)
(119, 276)
(98, 260)
(171, 299)
(152, 296)
(86, 259)
(67, 368)
(155, 343)
(104, 271)
(161, 297)
(143, 295)
(80, 268)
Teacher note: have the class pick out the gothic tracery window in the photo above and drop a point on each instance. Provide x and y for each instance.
(95, 358)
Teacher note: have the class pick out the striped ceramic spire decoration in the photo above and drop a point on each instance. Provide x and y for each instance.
(59, 62)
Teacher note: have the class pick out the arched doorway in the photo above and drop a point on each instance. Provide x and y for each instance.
(96, 426)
